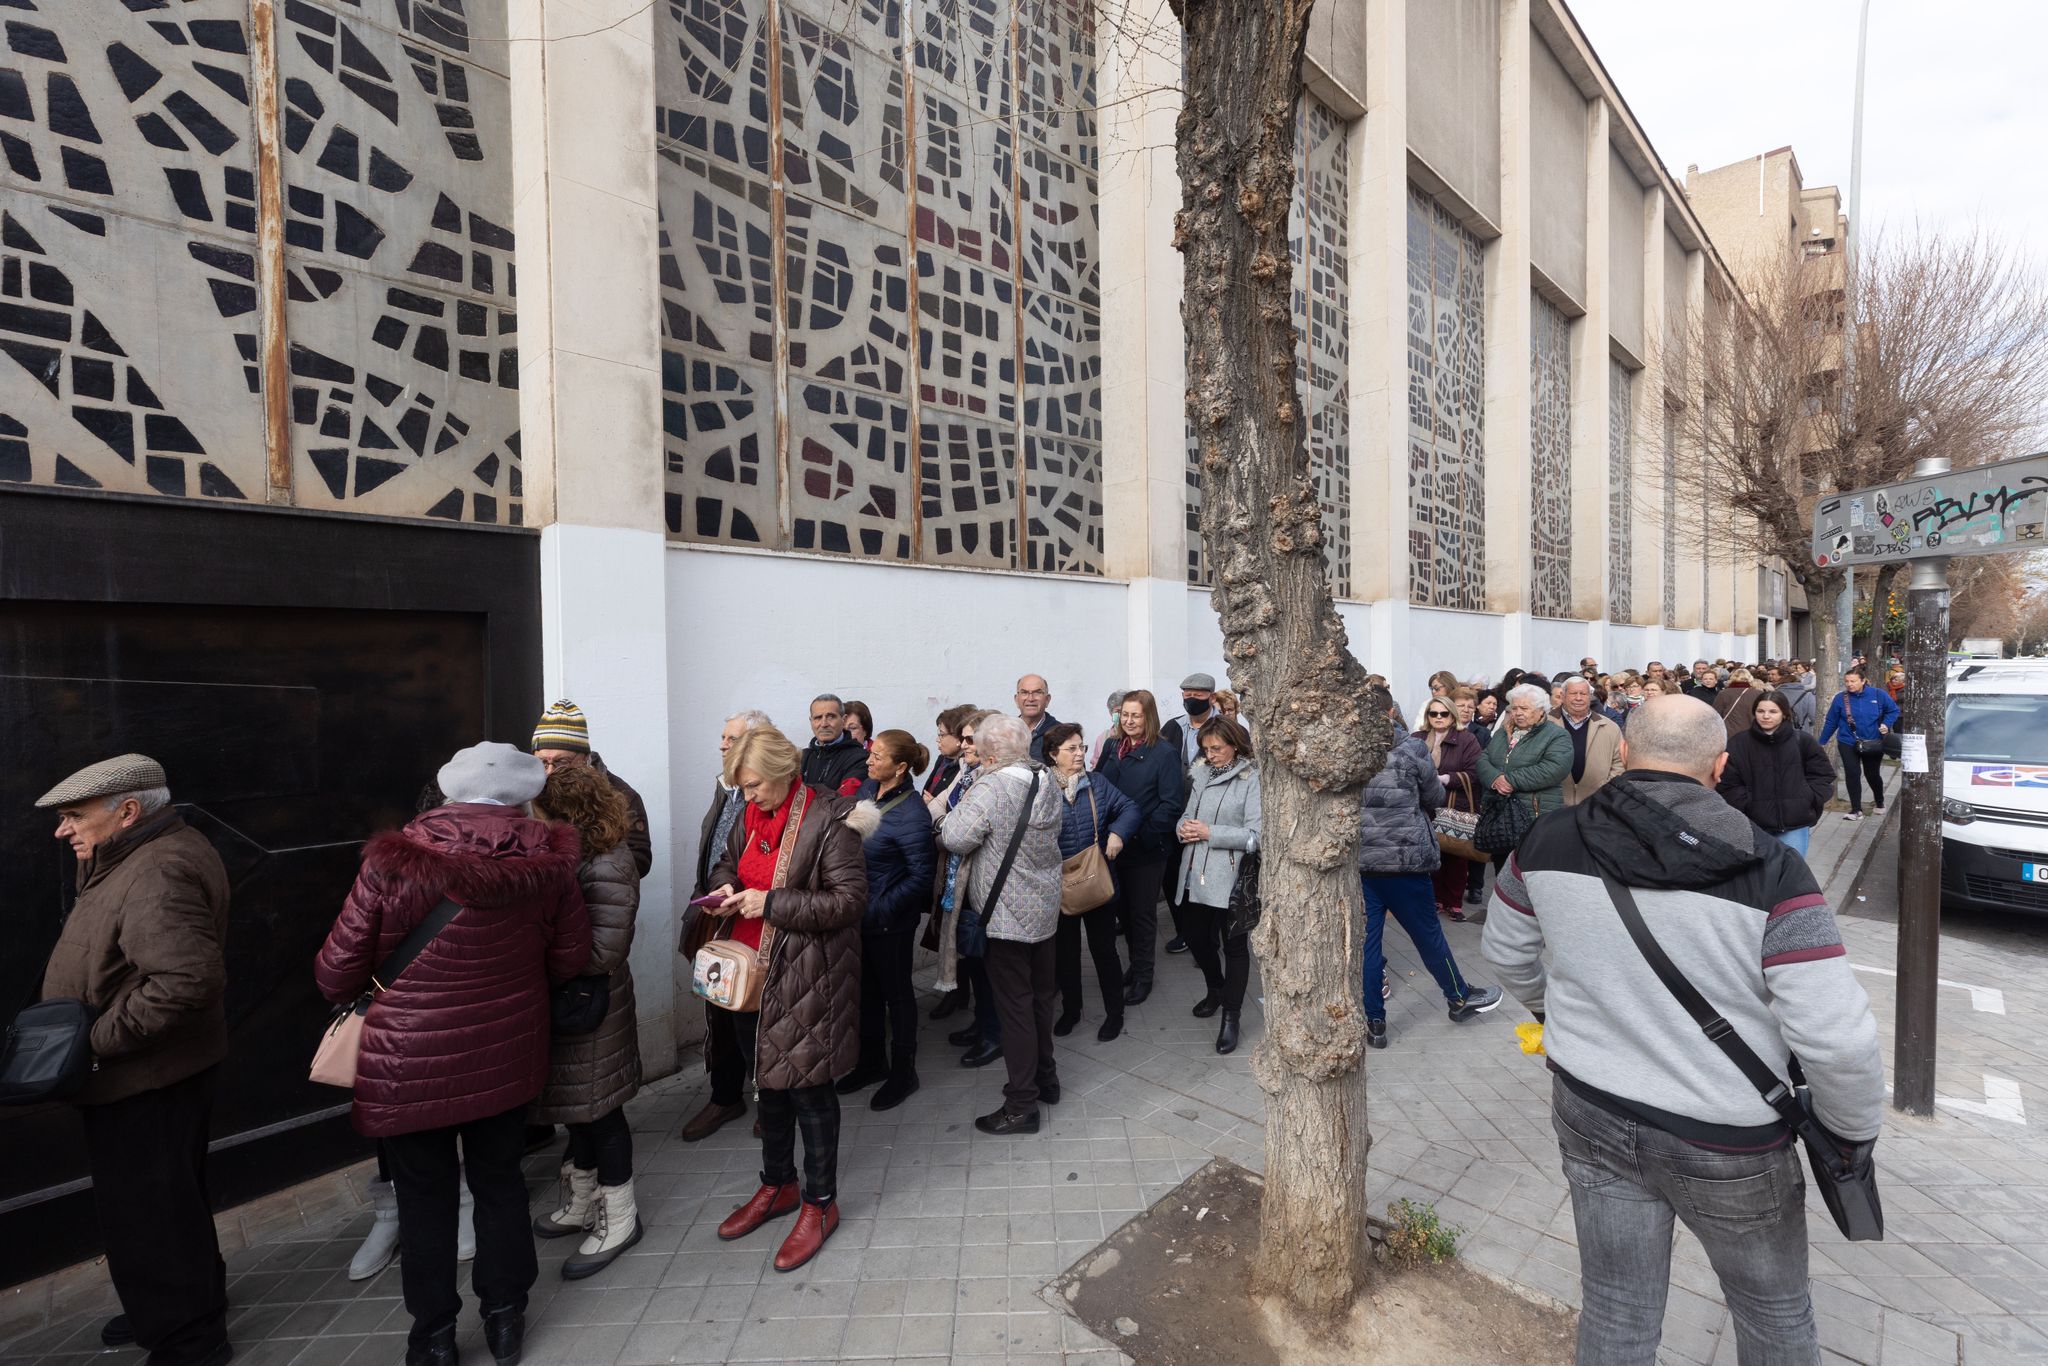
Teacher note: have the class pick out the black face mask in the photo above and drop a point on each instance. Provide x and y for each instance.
(1197, 707)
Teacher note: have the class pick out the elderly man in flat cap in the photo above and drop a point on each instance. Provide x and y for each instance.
(145, 945)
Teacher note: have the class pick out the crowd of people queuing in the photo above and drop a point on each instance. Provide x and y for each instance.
(509, 904)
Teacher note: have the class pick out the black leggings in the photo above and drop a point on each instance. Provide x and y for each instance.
(1137, 908)
(1225, 960)
(1872, 766)
(813, 1108)
(1100, 927)
(606, 1144)
(888, 1000)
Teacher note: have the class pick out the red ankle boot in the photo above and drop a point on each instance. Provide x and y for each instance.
(813, 1227)
(768, 1202)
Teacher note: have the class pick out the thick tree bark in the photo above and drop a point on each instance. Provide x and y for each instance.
(1322, 731)
(1830, 637)
(1872, 647)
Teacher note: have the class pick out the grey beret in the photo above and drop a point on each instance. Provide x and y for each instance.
(124, 773)
(492, 772)
(1199, 683)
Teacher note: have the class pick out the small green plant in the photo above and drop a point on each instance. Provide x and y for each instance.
(1415, 1235)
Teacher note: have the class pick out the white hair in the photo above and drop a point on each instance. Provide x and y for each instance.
(754, 718)
(150, 799)
(1676, 734)
(1001, 740)
(1578, 682)
(1536, 697)
(1116, 699)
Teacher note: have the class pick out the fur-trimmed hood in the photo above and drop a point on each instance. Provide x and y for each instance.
(865, 818)
(477, 854)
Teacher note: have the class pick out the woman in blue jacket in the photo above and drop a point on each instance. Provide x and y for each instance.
(1096, 813)
(1858, 720)
(900, 858)
(1150, 774)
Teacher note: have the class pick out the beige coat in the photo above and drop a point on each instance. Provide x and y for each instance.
(1603, 757)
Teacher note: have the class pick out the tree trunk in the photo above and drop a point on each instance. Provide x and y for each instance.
(1873, 643)
(1322, 730)
(1823, 587)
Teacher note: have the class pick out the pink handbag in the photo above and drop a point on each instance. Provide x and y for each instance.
(334, 1061)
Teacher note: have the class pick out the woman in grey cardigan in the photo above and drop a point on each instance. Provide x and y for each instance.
(1022, 919)
(1219, 826)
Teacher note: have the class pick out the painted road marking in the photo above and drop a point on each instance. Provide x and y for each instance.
(2001, 1101)
(1990, 1000)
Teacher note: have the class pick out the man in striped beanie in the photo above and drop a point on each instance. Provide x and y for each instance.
(561, 739)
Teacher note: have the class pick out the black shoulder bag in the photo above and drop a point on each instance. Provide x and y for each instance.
(1848, 1183)
(48, 1051)
(995, 888)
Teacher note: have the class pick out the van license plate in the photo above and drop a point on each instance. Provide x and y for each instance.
(2034, 872)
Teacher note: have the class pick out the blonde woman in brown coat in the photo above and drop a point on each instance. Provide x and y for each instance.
(592, 1076)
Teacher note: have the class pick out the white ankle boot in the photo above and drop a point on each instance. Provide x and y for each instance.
(465, 1223)
(617, 1228)
(578, 1210)
(380, 1245)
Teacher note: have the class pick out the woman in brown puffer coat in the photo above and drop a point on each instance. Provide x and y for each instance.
(592, 1076)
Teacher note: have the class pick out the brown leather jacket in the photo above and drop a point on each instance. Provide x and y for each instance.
(147, 945)
(591, 1075)
(809, 1031)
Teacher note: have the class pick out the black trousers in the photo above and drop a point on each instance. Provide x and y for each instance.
(888, 1001)
(1169, 888)
(1100, 927)
(974, 974)
(814, 1109)
(1872, 771)
(1137, 908)
(605, 1145)
(1025, 984)
(425, 1169)
(728, 1064)
(1225, 960)
(148, 1157)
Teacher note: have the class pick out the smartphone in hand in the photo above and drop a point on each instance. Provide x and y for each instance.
(711, 901)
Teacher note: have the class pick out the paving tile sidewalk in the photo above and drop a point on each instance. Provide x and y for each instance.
(949, 1234)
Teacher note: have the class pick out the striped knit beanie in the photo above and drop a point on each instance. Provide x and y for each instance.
(562, 727)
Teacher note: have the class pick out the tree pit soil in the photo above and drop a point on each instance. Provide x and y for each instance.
(1172, 1288)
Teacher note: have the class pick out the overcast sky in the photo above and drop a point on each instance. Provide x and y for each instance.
(1953, 123)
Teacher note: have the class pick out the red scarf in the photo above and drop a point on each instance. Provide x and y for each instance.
(757, 858)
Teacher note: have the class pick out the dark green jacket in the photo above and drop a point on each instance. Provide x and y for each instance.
(1537, 768)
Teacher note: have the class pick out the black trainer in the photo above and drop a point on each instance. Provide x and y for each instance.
(1004, 1124)
(1478, 1002)
(1376, 1033)
(115, 1332)
(1176, 945)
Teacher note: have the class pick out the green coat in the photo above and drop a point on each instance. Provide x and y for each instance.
(1537, 768)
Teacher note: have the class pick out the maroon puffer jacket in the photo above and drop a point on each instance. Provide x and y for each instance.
(463, 1033)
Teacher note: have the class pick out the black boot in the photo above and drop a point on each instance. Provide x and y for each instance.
(900, 1086)
(438, 1350)
(965, 1038)
(1207, 1006)
(861, 1078)
(1226, 1037)
(950, 1003)
(505, 1334)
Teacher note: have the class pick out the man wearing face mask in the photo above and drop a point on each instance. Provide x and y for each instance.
(1198, 700)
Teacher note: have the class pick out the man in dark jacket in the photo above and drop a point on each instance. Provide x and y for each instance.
(1653, 1120)
(1198, 700)
(1705, 685)
(146, 946)
(1034, 698)
(834, 761)
(562, 739)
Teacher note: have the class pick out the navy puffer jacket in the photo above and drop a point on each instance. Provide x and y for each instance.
(463, 1032)
(900, 858)
(1394, 834)
(1112, 814)
(1153, 778)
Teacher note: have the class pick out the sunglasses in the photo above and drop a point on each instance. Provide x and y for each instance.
(1434, 715)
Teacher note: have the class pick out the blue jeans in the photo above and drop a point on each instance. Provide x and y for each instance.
(1629, 1183)
(1796, 839)
(1412, 899)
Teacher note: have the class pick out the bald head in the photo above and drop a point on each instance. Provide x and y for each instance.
(1676, 735)
(1033, 696)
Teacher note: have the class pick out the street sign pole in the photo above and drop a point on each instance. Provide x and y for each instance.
(1924, 714)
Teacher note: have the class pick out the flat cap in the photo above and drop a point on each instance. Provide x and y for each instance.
(1199, 683)
(123, 773)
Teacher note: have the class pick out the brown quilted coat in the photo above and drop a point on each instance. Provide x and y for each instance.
(591, 1075)
(810, 1004)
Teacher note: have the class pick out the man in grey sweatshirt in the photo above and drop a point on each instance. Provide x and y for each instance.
(1653, 1120)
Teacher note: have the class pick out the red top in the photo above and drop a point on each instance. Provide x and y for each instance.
(757, 858)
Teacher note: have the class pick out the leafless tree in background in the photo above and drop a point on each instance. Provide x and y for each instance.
(1951, 360)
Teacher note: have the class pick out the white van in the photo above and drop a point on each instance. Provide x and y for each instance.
(1994, 828)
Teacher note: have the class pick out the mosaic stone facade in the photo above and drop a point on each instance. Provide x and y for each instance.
(1550, 458)
(939, 295)
(1621, 478)
(1446, 410)
(1319, 248)
(128, 254)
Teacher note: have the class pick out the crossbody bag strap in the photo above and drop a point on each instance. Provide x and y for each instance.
(995, 889)
(1094, 815)
(410, 947)
(1773, 1088)
(783, 858)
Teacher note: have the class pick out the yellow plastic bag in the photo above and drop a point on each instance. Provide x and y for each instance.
(1531, 1035)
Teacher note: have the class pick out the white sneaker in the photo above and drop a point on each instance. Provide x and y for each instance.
(465, 1223)
(1852, 815)
(380, 1245)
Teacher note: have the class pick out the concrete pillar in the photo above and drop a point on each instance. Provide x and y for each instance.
(1508, 538)
(1694, 554)
(590, 414)
(1379, 339)
(1590, 392)
(1144, 353)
